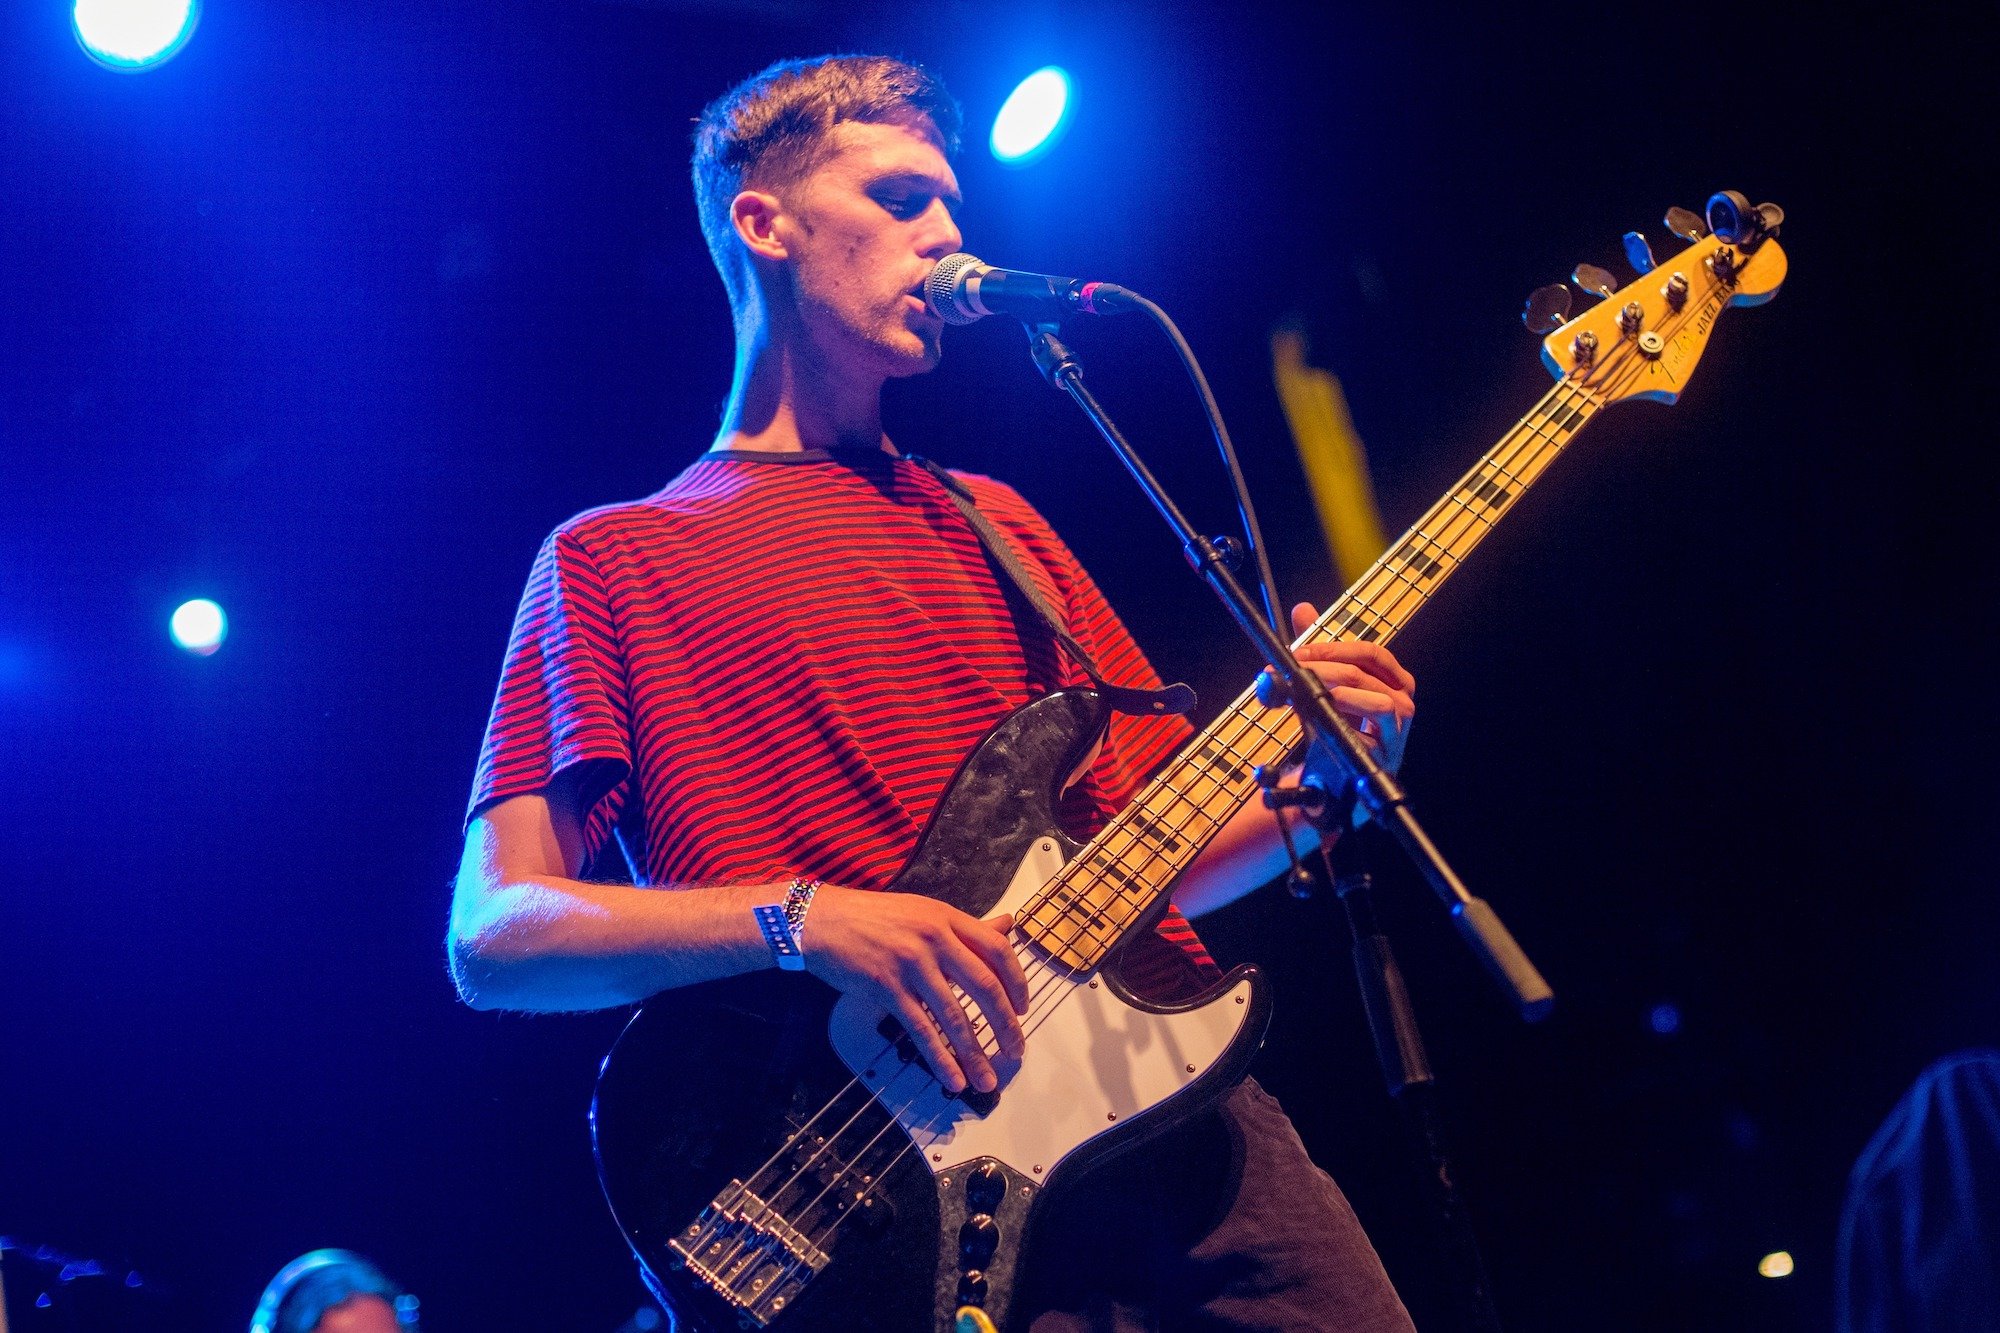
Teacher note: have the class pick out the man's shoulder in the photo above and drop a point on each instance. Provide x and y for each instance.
(998, 498)
(697, 493)
(601, 524)
(1016, 514)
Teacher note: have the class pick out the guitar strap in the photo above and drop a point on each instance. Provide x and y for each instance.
(1176, 698)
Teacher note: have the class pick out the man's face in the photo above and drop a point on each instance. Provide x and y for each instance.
(359, 1314)
(864, 230)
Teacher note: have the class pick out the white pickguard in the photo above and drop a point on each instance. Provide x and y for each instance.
(1093, 1062)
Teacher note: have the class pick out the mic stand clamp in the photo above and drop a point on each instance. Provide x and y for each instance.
(1307, 797)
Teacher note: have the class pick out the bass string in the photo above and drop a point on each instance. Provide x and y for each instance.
(851, 1168)
(1032, 965)
(842, 1179)
(1038, 1014)
(1033, 968)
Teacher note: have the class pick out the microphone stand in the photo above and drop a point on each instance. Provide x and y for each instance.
(1341, 773)
(1406, 1070)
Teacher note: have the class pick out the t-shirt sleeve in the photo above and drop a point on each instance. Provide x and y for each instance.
(562, 700)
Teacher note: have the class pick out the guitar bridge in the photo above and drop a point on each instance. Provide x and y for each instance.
(748, 1254)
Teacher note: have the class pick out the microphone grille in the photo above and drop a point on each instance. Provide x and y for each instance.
(941, 287)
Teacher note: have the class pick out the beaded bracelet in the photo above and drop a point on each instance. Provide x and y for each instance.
(784, 923)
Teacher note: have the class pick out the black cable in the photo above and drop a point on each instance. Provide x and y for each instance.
(1267, 586)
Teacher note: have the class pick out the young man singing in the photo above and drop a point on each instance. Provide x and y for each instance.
(805, 611)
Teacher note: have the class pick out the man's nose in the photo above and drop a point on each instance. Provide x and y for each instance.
(941, 235)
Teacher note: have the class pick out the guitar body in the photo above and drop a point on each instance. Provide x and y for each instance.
(896, 1205)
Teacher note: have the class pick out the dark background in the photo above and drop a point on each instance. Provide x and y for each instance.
(332, 317)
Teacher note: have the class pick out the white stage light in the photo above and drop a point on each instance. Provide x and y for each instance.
(133, 34)
(199, 626)
(1033, 117)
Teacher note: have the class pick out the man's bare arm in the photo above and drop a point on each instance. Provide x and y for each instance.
(527, 934)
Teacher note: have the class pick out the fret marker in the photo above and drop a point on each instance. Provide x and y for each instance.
(1563, 416)
(1213, 756)
(1490, 491)
(1358, 624)
(1153, 829)
(1101, 862)
(1432, 543)
(1425, 566)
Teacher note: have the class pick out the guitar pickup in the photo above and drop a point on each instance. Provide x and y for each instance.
(748, 1253)
(979, 1103)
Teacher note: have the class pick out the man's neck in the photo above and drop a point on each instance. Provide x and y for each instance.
(783, 400)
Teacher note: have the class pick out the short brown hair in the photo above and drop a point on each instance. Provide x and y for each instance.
(771, 129)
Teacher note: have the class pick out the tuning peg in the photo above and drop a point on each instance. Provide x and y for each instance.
(1547, 308)
(1688, 226)
(1731, 217)
(1639, 254)
(1594, 279)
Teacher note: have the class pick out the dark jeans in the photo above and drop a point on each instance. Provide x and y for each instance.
(1223, 1223)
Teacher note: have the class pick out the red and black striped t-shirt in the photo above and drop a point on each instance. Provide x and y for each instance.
(774, 666)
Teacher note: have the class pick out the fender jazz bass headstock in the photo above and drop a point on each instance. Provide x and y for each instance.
(1643, 339)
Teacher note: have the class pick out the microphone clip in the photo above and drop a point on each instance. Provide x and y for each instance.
(1052, 355)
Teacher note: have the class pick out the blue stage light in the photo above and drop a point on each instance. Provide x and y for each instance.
(199, 626)
(1033, 117)
(133, 34)
(1665, 1019)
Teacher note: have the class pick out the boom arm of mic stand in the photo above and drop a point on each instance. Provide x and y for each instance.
(1334, 744)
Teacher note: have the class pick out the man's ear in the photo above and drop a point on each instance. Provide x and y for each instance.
(755, 215)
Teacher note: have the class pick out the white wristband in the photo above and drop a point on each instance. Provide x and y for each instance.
(785, 946)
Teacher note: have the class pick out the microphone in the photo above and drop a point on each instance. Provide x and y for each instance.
(962, 289)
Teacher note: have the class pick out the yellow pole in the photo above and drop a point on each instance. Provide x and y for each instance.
(1336, 466)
